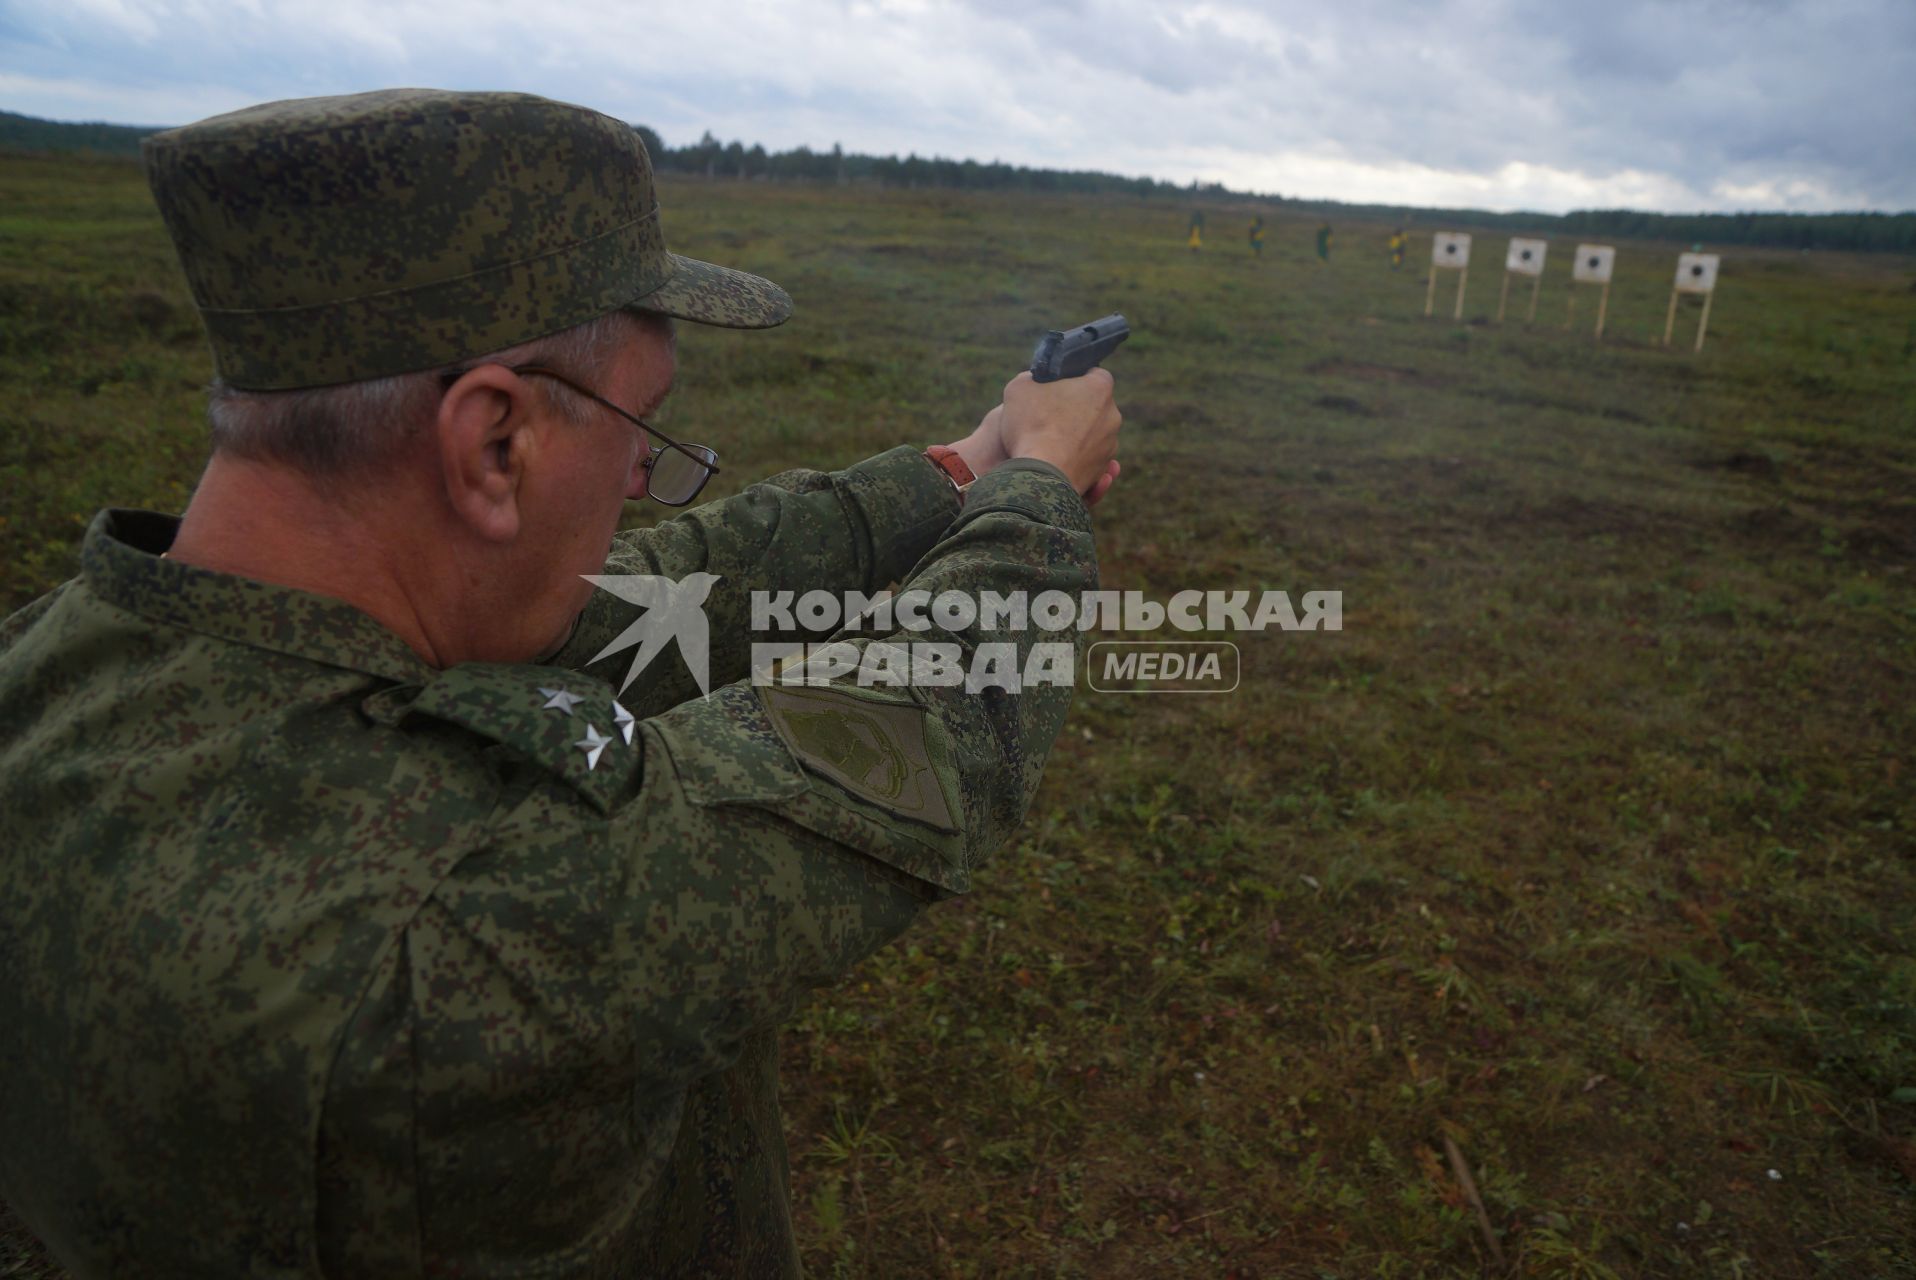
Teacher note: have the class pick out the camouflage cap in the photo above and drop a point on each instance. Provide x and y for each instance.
(336, 239)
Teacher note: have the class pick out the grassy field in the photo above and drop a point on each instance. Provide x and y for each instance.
(1585, 849)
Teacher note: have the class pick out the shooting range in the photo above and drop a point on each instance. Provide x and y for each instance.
(1446, 809)
(1592, 265)
(1523, 258)
(1695, 273)
(1450, 251)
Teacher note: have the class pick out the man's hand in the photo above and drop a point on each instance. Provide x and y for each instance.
(1072, 424)
(984, 448)
(1043, 425)
(1095, 494)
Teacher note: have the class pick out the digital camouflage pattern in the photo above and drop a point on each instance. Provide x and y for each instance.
(336, 239)
(315, 960)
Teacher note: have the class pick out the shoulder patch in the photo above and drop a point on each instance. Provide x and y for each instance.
(568, 723)
(876, 750)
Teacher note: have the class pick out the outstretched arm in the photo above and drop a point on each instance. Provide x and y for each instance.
(860, 529)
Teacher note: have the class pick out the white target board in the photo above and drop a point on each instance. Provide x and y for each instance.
(1525, 257)
(1696, 272)
(1593, 264)
(1450, 249)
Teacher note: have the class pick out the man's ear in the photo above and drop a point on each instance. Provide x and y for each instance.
(486, 433)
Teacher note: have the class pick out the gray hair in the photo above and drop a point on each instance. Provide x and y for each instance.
(351, 426)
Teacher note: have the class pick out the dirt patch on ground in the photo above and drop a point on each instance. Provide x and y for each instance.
(1531, 400)
(1778, 530)
(151, 312)
(1424, 494)
(1881, 533)
(1759, 466)
(1421, 473)
(775, 367)
(1884, 531)
(1884, 546)
(1368, 372)
(1577, 516)
(1775, 525)
(961, 254)
(1345, 404)
(1152, 415)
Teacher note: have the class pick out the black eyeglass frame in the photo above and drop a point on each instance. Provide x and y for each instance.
(656, 440)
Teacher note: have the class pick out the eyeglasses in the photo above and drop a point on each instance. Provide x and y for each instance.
(674, 472)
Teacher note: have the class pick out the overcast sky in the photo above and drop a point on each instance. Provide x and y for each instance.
(1498, 104)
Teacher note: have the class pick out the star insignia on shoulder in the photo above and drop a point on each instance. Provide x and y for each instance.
(624, 720)
(560, 700)
(593, 744)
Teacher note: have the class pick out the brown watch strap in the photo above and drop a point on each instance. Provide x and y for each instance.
(948, 461)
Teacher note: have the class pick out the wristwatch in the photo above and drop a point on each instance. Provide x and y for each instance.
(948, 461)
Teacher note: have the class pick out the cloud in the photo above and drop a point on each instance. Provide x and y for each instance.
(116, 101)
(1501, 103)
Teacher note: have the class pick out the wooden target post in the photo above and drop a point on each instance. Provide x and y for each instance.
(1593, 264)
(1450, 251)
(1695, 273)
(1523, 258)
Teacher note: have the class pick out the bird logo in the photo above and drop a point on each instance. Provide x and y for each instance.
(674, 610)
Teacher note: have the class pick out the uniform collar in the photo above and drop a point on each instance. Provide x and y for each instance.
(120, 561)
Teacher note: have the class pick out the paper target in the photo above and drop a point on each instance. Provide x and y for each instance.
(1525, 257)
(1450, 249)
(1696, 272)
(1593, 264)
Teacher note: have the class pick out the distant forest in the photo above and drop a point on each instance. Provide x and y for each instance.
(1869, 232)
(25, 133)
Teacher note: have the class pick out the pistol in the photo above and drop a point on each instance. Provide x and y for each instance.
(1071, 353)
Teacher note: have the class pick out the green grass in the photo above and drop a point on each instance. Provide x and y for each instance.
(1586, 844)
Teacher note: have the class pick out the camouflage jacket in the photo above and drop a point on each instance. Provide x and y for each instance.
(315, 960)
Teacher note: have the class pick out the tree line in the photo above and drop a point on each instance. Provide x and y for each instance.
(26, 133)
(1869, 232)
(709, 157)
(714, 159)
(1860, 231)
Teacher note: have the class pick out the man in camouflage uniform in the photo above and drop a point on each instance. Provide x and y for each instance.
(349, 925)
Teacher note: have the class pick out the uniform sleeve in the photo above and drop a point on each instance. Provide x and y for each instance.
(859, 529)
(783, 833)
(673, 896)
